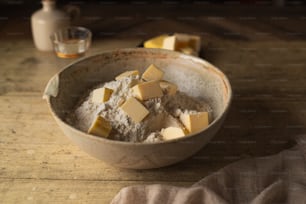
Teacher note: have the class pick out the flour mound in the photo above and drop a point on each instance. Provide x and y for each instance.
(123, 128)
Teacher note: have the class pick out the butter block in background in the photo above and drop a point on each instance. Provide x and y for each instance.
(188, 44)
(134, 109)
(100, 127)
(127, 74)
(152, 73)
(156, 42)
(101, 95)
(147, 90)
(168, 87)
(170, 133)
(194, 122)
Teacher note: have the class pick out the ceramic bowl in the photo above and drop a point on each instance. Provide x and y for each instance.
(193, 75)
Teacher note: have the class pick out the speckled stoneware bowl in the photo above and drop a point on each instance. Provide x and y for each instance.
(193, 75)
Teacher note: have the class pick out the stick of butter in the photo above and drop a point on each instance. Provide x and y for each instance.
(100, 127)
(152, 73)
(170, 133)
(156, 42)
(134, 109)
(101, 95)
(127, 74)
(188, 44)
(195, 122)
(147, 90)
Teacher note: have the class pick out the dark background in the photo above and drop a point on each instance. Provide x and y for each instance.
(36, 3)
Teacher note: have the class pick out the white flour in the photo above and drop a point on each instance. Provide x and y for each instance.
(123, 128)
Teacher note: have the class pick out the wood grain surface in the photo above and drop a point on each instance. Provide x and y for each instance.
(262, 53)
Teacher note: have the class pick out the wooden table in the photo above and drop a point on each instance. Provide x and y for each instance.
(263, 53)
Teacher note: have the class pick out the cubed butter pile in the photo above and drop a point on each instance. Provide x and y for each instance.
(151, 85)
(185, 43)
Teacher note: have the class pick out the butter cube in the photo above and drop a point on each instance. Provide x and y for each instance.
(101, 95)
(152, 73)
(170, 43)
(134, 109)
(147, 90)
(170, 133)
(168, 87)
(156, 42)
(195, 122)
(100, 127)
(127, 74)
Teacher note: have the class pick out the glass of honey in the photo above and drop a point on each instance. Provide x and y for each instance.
(71, 42)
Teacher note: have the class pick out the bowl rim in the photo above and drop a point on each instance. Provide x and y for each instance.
(206, 64)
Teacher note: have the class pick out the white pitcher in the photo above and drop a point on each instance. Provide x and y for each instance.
(46, 21)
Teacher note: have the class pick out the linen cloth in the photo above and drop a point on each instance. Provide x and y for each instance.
(279, 178)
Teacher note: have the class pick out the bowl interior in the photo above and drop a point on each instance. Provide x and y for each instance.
(193, 76)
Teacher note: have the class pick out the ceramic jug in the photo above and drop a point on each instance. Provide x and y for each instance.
(46, 21)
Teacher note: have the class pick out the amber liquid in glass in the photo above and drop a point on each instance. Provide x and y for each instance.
(71, 48)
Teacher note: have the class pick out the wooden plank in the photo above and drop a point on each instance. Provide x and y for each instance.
(257, 28)
(260, 67)
(270, 67)
(56, 161)
(287, 27)
(64, 191)
(32, 69)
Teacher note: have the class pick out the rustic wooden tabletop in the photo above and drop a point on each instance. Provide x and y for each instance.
(262, 50)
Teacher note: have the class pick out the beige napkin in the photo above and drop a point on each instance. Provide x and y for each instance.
(279, 178)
